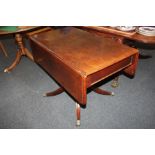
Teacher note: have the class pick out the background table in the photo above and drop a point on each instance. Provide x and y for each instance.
(121, 34)
(19, 33)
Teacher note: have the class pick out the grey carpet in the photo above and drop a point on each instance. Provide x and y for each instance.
(22, 105)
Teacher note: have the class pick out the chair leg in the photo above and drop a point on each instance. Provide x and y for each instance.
(78, 109)
(3, 49)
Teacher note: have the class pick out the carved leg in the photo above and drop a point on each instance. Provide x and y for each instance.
(16, 61)
(22, 51)
(29, 54)
(103, 92)
(3, 49)
(78, 109)
(54, 93)
(115, 83)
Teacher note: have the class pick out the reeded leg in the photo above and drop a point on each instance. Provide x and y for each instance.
(78, 109)
(54, 93)
(103, 92)
(115, 83)
(3, 49)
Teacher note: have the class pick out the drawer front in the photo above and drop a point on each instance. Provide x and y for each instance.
(106, 72)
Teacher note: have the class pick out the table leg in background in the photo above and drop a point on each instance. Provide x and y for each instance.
(22, 51)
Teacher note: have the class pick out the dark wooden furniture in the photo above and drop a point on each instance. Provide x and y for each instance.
(19, 34)
(78, 60)
(119, 36)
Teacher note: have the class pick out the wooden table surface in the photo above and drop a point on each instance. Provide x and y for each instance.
(128, 35)
(120, 37)
(72, 45)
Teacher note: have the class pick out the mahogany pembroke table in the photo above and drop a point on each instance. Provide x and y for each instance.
(78, 60)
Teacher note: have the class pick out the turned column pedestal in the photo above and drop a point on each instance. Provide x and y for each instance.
(22, 51)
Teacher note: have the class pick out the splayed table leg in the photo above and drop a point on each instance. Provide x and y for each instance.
(22, 51)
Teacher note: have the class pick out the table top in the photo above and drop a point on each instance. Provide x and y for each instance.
(129, 35)
(4, 30)
(82, 51)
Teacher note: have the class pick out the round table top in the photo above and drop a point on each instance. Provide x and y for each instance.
(16, 29)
